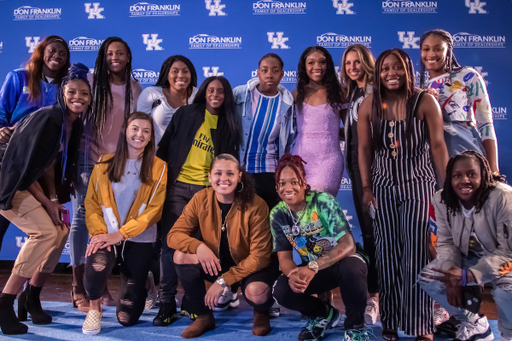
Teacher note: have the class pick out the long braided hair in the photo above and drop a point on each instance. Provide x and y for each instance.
(488, 183)
(331, 82)
(451, 63)
(102, 94)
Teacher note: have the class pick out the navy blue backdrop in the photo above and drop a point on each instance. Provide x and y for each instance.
(228, 37)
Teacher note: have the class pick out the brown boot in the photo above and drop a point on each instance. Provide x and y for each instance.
(202, 324)
(261, 324)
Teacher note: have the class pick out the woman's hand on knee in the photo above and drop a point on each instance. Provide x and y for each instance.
(93, 247)
(208, 260)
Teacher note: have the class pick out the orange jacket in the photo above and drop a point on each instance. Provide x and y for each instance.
(249, 236)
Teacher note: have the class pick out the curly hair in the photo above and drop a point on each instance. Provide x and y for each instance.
(163, 78)
(488, 183)
(35, 67)
(408, 91)
(296, 163)
(102, 94)
(330, 81)
(451, 65)
(245, 194)
(367, 65)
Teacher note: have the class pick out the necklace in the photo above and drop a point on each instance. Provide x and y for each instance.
(295, 227)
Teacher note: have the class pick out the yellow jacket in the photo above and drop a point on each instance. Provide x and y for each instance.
(101, 214)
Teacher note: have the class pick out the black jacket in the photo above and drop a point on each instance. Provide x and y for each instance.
(33, 147)
(179, 136)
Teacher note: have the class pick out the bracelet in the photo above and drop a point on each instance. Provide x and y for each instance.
(464, 277)
(54, 200)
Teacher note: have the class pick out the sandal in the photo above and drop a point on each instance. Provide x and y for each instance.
(390, 335)
(80, 301)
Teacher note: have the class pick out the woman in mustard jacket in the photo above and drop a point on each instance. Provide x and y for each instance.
(123, 203)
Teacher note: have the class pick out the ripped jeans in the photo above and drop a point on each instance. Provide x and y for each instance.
(502, 294)
(135, 260)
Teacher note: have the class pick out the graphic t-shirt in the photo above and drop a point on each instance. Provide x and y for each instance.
(357, 98)
(196, 167)
(321, 224)
(475, 246)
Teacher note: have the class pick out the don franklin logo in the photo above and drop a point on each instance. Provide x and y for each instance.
(289, 77)
(499, 113)
(468, 40)
(334, 40)
(406, 6)
(36, 13)
(144, 76)
(145, 9)
(207, 41)
(84, 44)
(264, 7)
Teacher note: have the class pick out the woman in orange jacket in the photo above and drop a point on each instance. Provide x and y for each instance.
(123, 204)
(223, 236)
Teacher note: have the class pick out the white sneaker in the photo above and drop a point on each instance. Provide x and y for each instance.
(372, 311)
(275, 310)
(226, 300)
(152, 292)
(478, 331)
(440, 314)
(92, 324)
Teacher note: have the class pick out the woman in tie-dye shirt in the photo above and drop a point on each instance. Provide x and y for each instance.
(463, 98)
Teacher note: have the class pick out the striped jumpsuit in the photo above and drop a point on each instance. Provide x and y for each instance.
(403, 183)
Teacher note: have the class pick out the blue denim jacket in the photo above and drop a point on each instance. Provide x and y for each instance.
(14, 98)
(243, 99)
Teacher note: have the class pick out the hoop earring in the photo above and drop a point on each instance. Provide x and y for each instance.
(241, 189)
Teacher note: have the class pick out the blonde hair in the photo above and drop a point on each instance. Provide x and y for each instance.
(367, 65)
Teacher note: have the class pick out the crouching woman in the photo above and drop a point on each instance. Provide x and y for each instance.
(123, 204)
(223, 236)
(474, 246)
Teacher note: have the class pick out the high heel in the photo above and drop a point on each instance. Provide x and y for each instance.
(33, 306)
(9, 323)
(22, 300)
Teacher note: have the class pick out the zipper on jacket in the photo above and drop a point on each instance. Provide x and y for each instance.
(505, 230)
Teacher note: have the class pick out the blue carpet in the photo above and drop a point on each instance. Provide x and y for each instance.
(233, 325)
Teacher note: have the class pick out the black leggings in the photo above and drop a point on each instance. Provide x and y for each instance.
(365, 222)
(349, 275)
(192, 277)
(135, 259)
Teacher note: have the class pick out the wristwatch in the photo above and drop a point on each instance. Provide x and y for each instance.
(313, 265)
(220, 281)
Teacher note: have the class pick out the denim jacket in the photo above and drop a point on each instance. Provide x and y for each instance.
(243, 99)
(493, 227)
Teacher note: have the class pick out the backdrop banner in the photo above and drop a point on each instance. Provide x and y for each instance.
(228, 37)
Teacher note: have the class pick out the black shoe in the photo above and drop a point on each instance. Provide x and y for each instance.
(166, 315)
(317, 326)
(29, 301)
(8, 321)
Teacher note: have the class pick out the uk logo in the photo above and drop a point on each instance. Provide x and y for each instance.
(95, 11)
(343, 6)
(1, 46)
(214, 71)
(409, 42)
(31, 43)
(215, 8)
(476, 6)
(153, 44)
(278, 42)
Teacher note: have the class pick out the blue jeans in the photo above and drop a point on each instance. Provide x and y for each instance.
(502, 293)
(78, 233)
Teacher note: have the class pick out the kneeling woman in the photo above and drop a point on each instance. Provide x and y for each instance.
(123, 203)
(235, 245)
(36, 178)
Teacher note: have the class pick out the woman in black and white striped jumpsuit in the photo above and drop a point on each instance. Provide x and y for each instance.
(400, 185)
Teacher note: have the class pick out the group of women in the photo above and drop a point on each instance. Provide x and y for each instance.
(162, 166)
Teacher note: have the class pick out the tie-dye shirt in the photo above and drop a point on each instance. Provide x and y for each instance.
(320, 227)
(463, 97)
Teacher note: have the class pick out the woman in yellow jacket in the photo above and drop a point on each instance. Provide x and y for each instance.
(123, 203)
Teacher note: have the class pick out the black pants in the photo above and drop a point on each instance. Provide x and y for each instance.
(135, 260)
(4, 224)
(266, 188)
(349, 275)
(192, 277)
(365, 222)
(178, 196)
